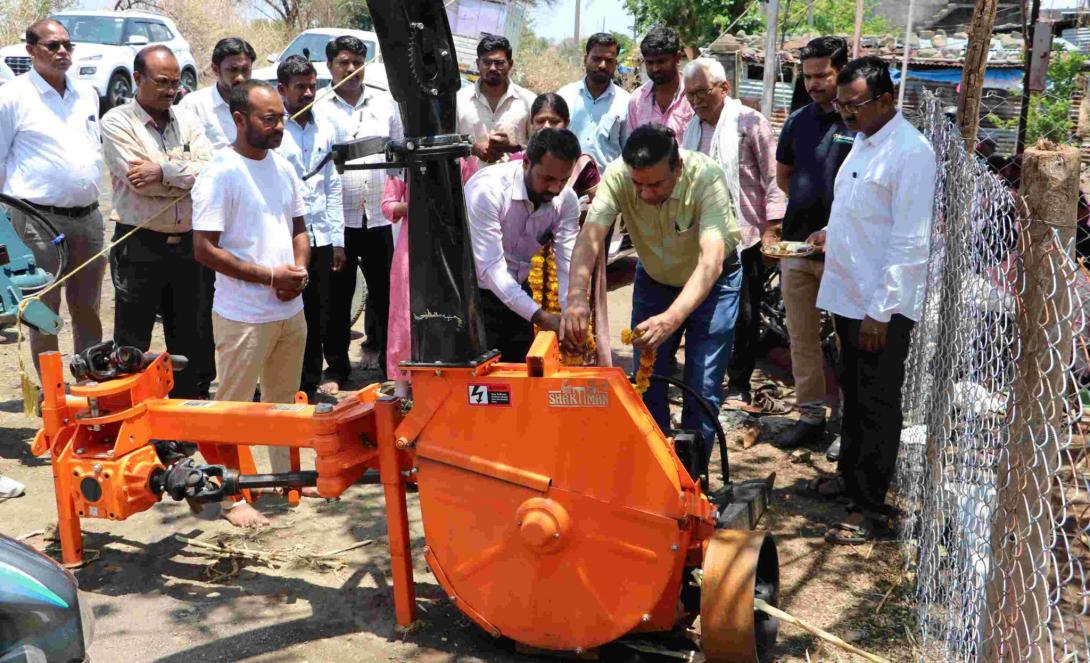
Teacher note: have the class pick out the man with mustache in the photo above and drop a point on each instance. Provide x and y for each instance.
(308, 138)
(494, 112)
(661, 100)
(51, 157)
(598, 106)
(249, 226)
(155, 152)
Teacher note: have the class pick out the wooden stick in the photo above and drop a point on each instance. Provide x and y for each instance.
(759, 604)
(36, 532)
(334, 553)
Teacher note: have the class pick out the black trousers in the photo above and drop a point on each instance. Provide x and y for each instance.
(316, 307)
(155, 273)
(504, 329)
(373, 249)
(871, 428)
(747, 327)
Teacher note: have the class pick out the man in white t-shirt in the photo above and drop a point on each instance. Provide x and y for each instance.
(248, 226)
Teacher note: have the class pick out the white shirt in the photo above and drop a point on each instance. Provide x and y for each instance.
(504, 229)
(879, 227)
(50, 146)
(512, 114)
(303, 147)
(214, 113)
(251, 204)
(375, 114)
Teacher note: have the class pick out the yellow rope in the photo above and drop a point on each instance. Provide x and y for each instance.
(29, 389)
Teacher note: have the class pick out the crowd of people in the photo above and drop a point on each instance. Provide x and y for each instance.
(252, 269)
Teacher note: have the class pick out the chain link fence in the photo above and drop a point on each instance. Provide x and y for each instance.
(993, 474)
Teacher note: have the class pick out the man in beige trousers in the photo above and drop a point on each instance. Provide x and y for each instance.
(248, 227)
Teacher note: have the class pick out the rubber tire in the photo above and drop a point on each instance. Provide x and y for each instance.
(118, 91)
(359, 297)
(189, 80)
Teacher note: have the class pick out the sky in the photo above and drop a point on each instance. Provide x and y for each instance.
(558, 21)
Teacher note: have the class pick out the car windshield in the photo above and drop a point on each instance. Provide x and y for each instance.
(93, 29)
(315, 45)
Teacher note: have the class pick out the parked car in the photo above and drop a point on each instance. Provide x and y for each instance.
(6, 74)
(312, 43)
(105, 44)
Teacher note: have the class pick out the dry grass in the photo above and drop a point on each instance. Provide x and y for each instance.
(204, 22)
(16, 15)
(546, 71)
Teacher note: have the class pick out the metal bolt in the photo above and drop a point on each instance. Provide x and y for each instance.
(674, 547)
(518, 523)
(110, 453)
(323, 408)
(646, 617)
(556, 535)
(579, 650)
(97, 468)
(79, 451)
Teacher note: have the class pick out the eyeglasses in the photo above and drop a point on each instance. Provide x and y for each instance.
(702, 93)
(499, 63)
(54, 46)
(166, 84)
(851, 107)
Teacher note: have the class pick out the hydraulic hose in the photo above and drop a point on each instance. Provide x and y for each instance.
(46, 229)
(709, 412)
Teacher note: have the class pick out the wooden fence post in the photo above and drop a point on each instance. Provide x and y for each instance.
(1015, 625)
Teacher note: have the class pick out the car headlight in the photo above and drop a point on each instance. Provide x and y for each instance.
(86, 620)
(87, 71)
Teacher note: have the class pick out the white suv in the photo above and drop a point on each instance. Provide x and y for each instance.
(106, 43)
(314, 41)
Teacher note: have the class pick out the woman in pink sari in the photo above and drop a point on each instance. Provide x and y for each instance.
(395, 208)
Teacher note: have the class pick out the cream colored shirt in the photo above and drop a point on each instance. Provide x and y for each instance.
(181, 150)
(512, 114)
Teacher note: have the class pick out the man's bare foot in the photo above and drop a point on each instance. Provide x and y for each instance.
(244, 515)
(329, 388)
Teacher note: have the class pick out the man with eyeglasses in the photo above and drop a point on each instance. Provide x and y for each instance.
(813, 143)
(740, 140)
(51, 157)
(154, 153)
(249, 226)
(494, 112)
(876, 249)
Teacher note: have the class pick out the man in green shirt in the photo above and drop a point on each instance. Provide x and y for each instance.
(678, 212)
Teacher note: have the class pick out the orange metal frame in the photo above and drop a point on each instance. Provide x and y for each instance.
(540, 484)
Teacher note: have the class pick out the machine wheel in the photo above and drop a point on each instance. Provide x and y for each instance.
(359, 297)
(189, 80)
(738, 565)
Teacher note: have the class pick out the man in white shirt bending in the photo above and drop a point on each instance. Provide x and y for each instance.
(876, 248)
(248, 223)
(51, 157)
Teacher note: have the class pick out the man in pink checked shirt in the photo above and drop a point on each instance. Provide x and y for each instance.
(662, 99)
(740, 140)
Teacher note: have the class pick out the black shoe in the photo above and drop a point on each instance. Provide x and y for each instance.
(802, 433)
(742, 395)
(833, 452)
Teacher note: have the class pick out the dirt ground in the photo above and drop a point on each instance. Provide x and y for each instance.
(157, 599)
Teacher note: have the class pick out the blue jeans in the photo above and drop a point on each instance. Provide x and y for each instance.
(709, 338)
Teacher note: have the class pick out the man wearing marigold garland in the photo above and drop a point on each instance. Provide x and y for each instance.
(678, 212)
(514, 209)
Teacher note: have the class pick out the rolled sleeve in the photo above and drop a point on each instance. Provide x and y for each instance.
(486, 236)
(904, 275)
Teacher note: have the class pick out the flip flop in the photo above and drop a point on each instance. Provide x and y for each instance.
(824, 487)
(330, 388)
(852, 531)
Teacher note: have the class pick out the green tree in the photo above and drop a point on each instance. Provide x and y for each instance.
(698, 22)
(1050, 111)
(830, 17)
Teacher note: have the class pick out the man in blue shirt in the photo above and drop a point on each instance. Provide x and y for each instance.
(599, 108)
(307, 139)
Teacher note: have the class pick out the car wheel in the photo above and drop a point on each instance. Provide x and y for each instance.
(118, 91)
(189, 80)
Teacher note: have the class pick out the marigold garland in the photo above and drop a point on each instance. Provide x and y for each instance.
(544, 283)
(647, 361)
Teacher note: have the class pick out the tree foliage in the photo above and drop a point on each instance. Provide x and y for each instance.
(1050, 111)
(698, 22)
(830, 17)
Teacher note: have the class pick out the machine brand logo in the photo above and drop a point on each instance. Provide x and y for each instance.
(593, 393)
(490, 394)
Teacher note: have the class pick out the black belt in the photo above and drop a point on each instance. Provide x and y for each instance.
(70, 212)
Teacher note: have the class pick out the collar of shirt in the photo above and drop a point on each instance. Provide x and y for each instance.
(44, 88)
(338, 100)
(647, 95)
(606, 96)
(883, 134)
(146, 119)
(217, 98)
(480, 96)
